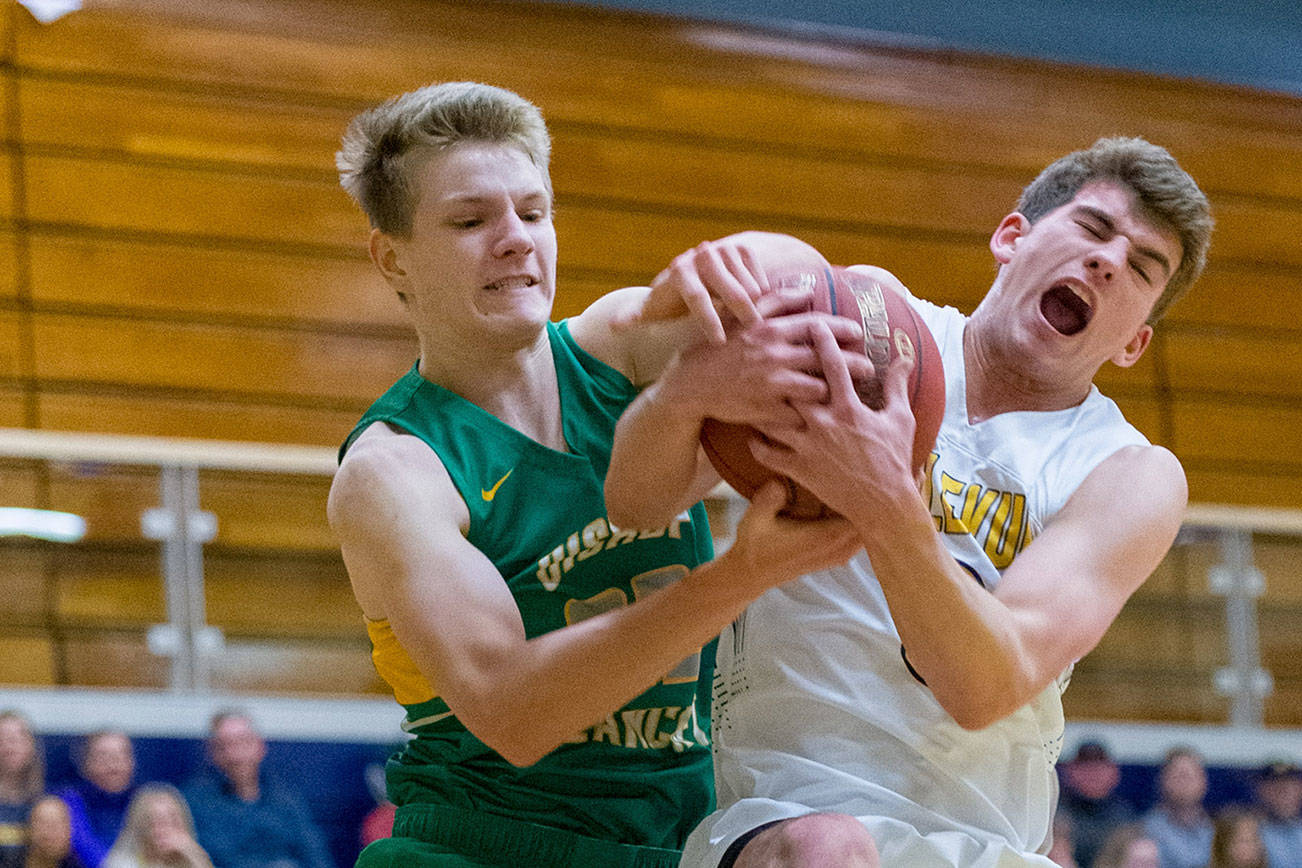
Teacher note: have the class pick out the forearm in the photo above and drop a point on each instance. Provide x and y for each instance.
(546, 690)
(960, 638)
(656, 464)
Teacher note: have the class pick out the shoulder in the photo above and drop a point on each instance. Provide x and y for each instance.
(203, 787)
(1146, 472)
(612, 331)
(385, 470)
(1137, 492)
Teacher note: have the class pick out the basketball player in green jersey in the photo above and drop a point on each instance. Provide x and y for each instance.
(548, 661)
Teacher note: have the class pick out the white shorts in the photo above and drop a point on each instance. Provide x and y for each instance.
(899, 844)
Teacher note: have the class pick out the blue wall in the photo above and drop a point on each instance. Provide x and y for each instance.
(1249, 42)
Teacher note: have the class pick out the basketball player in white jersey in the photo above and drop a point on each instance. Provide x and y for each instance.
(904, 709)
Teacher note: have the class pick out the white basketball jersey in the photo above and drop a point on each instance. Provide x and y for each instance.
(816, 707)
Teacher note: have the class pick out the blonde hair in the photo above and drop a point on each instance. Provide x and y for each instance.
(383, 146)
(32, 782)
(129, 850)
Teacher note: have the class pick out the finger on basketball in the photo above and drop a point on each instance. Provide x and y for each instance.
(896, 386)
(835, 372)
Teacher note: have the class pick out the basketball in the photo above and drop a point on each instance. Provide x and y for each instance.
(891, 329)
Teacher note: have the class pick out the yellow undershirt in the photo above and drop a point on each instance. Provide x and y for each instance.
(395, 666)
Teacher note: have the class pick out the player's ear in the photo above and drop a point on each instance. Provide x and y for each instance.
(387, 257)
(1131, 352)
(1006, 234)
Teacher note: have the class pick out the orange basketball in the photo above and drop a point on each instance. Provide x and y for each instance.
(891, 329)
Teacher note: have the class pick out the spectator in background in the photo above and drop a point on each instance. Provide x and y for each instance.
(1178, 822)
(379, 822)
(1089, 800)
(1061, 851)
(49, 838)
(1127, 847)
(158, 833)
(1236, 842)
(22, 780)
(1279, 796)
(242, 817)
(106, 762)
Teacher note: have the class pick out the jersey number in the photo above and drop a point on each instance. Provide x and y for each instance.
(614, 598)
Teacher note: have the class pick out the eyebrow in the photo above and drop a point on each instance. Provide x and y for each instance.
(474, 199)
(1108, 223)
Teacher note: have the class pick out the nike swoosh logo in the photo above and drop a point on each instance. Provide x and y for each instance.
(489, 493)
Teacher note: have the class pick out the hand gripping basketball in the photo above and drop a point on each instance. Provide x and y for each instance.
(891, 330)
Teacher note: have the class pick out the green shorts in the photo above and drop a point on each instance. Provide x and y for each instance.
(436, 836)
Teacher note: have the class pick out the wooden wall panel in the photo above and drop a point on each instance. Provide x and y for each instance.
(111, 588)
(210, 283)
(13, 407)
(114, 658)
(27, 660)
(203, 417)
(9, 267)
(1243, 363)
(296, 597)
(12, 361)
(138, 197)
(163, 124)
(331, 368)
(254, 512)
(23, 566)
(1225, 431)
(8, 203)
(1243, 296)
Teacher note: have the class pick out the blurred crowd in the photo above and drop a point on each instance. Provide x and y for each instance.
(232, 814)
(1097, 827)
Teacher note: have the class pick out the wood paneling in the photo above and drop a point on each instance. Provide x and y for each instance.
(209, 282)
(202, 417)
(257, 511)
(333, 368)
(162, 123)
(26, 660)
(142, 197)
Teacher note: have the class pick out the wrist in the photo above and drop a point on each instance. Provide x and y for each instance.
(884, 512)
(675, 398)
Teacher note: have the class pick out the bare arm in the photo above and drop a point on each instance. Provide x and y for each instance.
(400, 521)
(984, 655)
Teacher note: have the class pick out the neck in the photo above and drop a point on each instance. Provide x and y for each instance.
(246, 789)
(998, 383)
(1185, 815)
(517, 385)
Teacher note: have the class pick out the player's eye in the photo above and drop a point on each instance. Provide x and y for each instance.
(1090, 228)
(1143, 275)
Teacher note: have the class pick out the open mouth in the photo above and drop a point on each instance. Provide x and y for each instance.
(1066, 311)
(519, 281)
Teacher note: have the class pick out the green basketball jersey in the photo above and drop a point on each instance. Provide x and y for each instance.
(643, 775)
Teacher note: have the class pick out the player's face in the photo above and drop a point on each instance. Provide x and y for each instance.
(1078, 285)
(482, 252)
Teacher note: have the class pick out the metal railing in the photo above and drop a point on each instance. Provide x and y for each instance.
(177, 524)
(181, 528)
